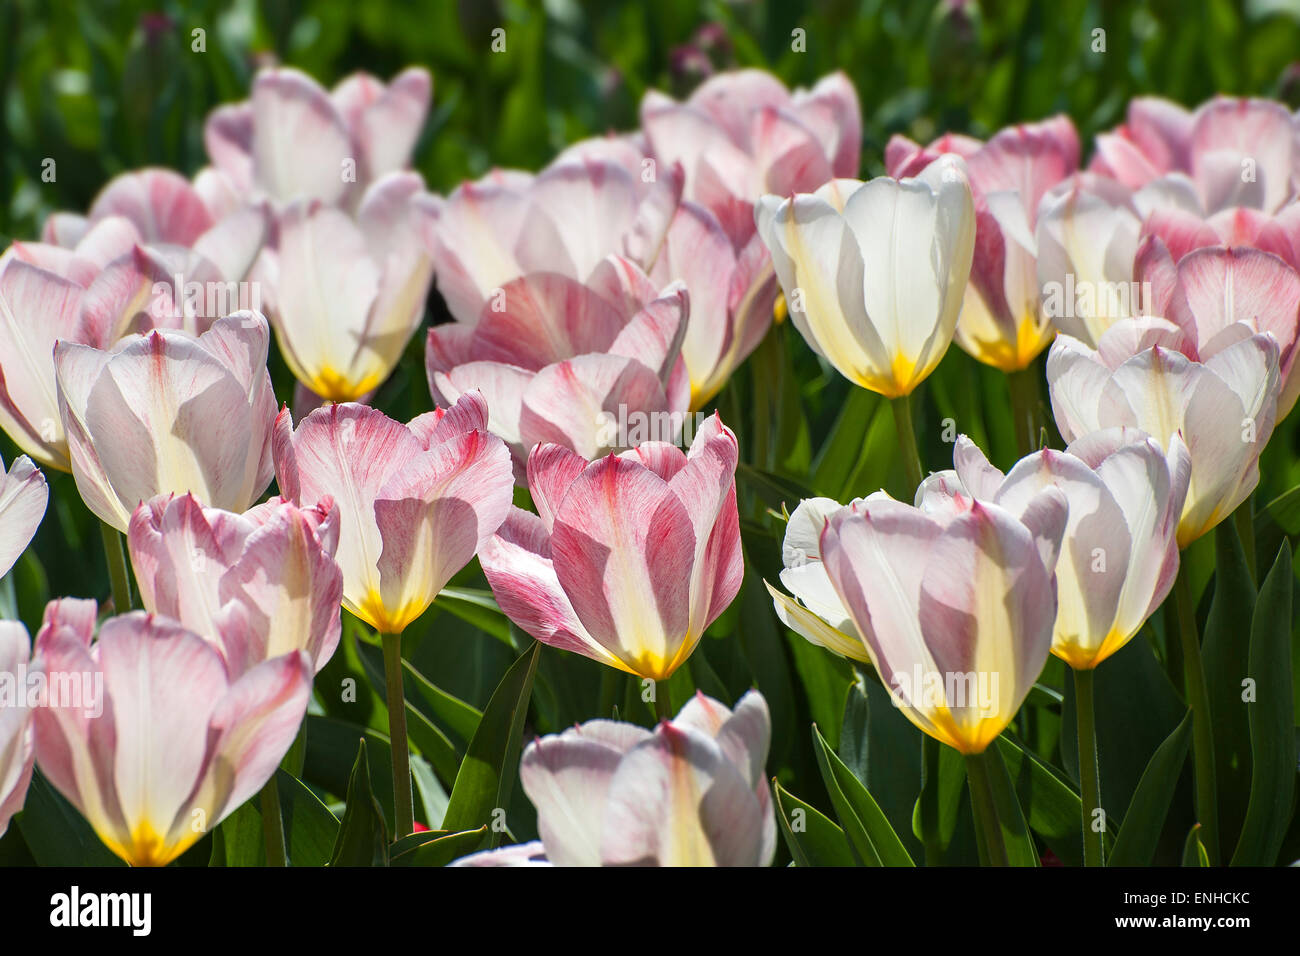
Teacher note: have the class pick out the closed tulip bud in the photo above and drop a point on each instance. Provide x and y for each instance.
(1119, 552)
(257, 585)
(170, 743)
(692, 792)
(167, 412)
(416, 501)
(630, 557)
(955, 604)
(1223, 406)
(874, 273)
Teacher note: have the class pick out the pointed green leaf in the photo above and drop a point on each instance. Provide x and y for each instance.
(813, 838)
(1140, 832)
(363, 837)
(860, 816)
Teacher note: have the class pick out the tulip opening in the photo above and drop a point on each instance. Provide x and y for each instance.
(334, 386)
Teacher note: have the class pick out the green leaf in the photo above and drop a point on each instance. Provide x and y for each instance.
(1272, 734)
(56, 833)
(1225, 653)
(1194, 853)
(461, 717)
(813, 838)
(1054, 809)
(310, 829)
(873, 839)
(478, 607)
(1140, 832)
(487, 774)
(1011, 818)
(437, 847)
(1284, 510)
(363, 837)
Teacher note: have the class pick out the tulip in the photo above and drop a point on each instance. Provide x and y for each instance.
(815, 611)
(23, 497)
(17, 747)
(691, 792)
(1222, 406)
(1183, 228)
(1087, 238)
(1216, 293)
(583, 208)
(561, 361)
(874, 273)
(417, 502)
(293, 140)
(956, 606)
(49, 294)
(270, 571)
(180, 744)
(168, 412)
(346, 294)
(1233, 152)
(1119, 552)
(1002, 323)
(630, 557)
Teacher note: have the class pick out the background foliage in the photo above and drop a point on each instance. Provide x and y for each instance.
(105, 87)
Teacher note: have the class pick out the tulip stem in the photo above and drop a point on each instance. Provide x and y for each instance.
(1089, 775)
(663, 701)
(1198, 699)
(907, 442)
(928, 801)
(1024, 408)
(273, 824)
(986, 814)
(117, 573)
(403, 807)
(1244, 518)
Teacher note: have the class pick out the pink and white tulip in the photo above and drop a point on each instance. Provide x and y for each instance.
(1002, 322)
(630, 557)
(293, 140)
(256, 585)
(416, 501)
(1148, 374)
(956, 605)
(168, 412)
(692, 792)
(179, 742)
(345, 294)
(874, 273)
(562, 361)
(23, 497)
(1119, 552)
(17, 743)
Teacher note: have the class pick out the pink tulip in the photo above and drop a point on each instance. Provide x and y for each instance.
(23, 497)
(1232, 152)
(1151, 375)
(178, 743)
(562, 361)
(956, 605)
(629, 558)
(17, 744)
(345, 294)
(1185, 229)
(293, 140)
(566, 220)
(1216, 295)
(256, 585)
(168, 412)
(1002, 322)
(417, 501)
(692, 792)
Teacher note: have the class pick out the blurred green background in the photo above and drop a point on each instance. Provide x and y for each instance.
(106, 87)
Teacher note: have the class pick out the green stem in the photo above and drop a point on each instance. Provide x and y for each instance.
(273, 825)
(117, 572)
(403, 806)
(907, 441)
(1089, 777)
(296, 758)
(1198, 699)
(663, 701)
(1244, 518)
(1024, 408)
(929, 801)
(986, 814)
